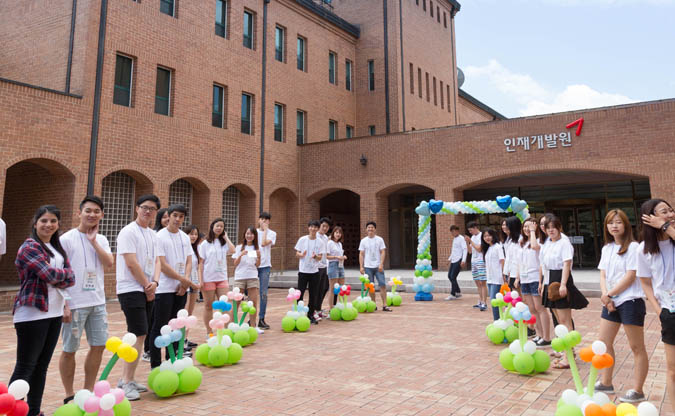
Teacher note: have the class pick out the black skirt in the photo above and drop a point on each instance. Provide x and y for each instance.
(574, 300)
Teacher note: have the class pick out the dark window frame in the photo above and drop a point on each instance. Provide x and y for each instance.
(371, 75)
(372, 130)
(248, 39)
(349, 131)
(279, 130)
(280, 55)
(214, 112)
(125, 89)
(223, 23)
(332, 67)
(301, 61)
(300, 135)
(159, 98)
(168, 3)
(412, 78)
(332, 130)
(247, 118)
(349, 75)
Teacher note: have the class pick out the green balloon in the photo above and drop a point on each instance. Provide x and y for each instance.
(360, 306)
(418, 273)
(506, 359)
(523, 363)
(561, 402)
(487, 328)
(252, 335)
(511, 333)
(152, 375)
(189, 380)
(390, 300)
(541, 361)
(575, 338)
(251, 310)
(241, 338)
(123, 408)
(558, 344)
(288, 324)
(166, 383)
(218, 356)
(335, 314)
(229, 333)
(244, 307)
(234, 353)
(495, 335)
(201, 355)
(426, 273)
(349, 314)
(69, 409)
(371, 306)
(568, 410)
(302, 323)
(397, 300)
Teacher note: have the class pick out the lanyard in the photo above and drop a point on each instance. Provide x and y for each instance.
(147, 246)
(220, 259)
(182, 247)
(84, 252)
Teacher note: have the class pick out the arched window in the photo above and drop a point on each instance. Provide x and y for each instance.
(180, 192)
(118, 197)
(231, 212)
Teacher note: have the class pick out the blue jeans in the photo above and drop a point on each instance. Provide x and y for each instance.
(264, 277)
(452, 275)
(492, 293)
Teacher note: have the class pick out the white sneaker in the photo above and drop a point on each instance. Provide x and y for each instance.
(451, 297)
(130, 392)
(317, 317)
(459, 295)
(260, 330)
(146, 357)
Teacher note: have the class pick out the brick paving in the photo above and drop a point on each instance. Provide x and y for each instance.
(424, 358)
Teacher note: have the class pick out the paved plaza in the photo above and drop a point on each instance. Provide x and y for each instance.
(424, 358)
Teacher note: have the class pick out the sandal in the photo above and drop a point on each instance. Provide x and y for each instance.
(386, 308)
(555, 354)
(560, 365)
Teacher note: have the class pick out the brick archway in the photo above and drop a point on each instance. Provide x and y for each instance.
(283, 207)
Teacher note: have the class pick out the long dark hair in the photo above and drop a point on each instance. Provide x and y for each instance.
(484, 246)
(526, 236)
(542, 234)
(342, 234)
(254, 243)
(212, 236)
(190, 229)
(158, 218)
(54, 240)
(513, 224)
(627, 231)
(650, 235)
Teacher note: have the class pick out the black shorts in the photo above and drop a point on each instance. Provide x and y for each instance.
(136, 310)
(667, 327)
(631, 312)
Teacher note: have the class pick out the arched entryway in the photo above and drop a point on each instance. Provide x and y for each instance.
(194, 194)
(344, 208)
(28, 185)
(238, 210)
(284, 211)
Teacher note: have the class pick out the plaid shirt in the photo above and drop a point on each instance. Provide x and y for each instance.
(35, 273)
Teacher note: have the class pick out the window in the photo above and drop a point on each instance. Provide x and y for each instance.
(431, 8)
(371, 130)
(279, 40)
(440, 89)
(438, 14)
(248, 29)
(163, 91)
(424, 5)
(349, 132)
(180, 192)
(117, 193)
(221, 18)
(218, 105)
(167, 7)
(332, 128)
(246, 113)
(278, 122)
(348, 75)
(435, 96)
(371, 75)
(332, 57)
(417, 2)
(445, 20)
(419, 81)
(123, 72)
(448, 89)
(301, 54)
(230, 212)
(427, 82)
(300, 126)
(412, 78)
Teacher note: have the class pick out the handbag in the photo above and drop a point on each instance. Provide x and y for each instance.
(554, 291)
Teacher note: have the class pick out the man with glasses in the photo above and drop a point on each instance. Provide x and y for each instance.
(137, 273)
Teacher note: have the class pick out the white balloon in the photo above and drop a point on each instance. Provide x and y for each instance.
(232, 326)
(213, 341)
(521, 307)
(584, 404)
(426, 262)
(569, 396)
(223, 298)
(107, 401)
(166, 366)
(165, 330)
(291, 291)
(515, 347)
(509, 322)
(514, 295)
(599, 347)
(79, 399)
(226, 341)
(418, 262)
(301, 303)
(582, 398)
(129, 338)
(183, 313)
(217, 315)
(179, 366)
(561, 331)
(499, 296)
(600, 398)
(340, 306)
(530, 347)
(349, 305)
(344, 287)
(236, 290)
(19, 389)
(647, 409)
(244, 327)
(188, 361)
(250, 303)
(336, 286)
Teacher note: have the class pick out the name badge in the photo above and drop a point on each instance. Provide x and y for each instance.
(220, 266)
(180, 268)
(149, 268)
(252, 254)
(90, 280)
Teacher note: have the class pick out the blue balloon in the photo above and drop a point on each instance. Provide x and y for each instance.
(161, 341)
(416, 288)
(426, 288)
(176, 335)
(436, 206)
(515, 315)
(431, 286)
(418, 267)
(336, 290)
(527, 315)
(228, 306)
(428, 267)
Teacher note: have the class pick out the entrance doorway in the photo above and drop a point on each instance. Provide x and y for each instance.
(344, 209)
(583, 225)
(402, 245)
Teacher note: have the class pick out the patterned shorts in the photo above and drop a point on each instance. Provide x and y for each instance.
(478, 270)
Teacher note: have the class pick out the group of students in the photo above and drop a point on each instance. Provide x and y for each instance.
(535, 258)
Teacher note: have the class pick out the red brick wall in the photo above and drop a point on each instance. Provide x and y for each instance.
(469, 113)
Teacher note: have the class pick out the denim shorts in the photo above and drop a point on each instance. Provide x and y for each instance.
(93, 320)
(529, 288)
(631, 312)
(335, 271)
(374, 273)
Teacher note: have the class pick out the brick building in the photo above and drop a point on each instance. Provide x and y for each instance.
(232, 106)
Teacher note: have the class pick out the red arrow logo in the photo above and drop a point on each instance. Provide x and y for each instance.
(577, 123)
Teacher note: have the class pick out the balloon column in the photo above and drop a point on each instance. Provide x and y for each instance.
(503, 328)
(364, 303)
(11, 403)
(296, 318)
(502, 204)
(393, 298)
(219, 349)
(522, 355)
(343, 310)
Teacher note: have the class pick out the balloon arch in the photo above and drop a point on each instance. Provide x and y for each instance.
(423, 285)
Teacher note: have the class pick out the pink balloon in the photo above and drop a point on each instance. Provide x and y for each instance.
(238, 297)
(514, 302)
(101, 387)
(119, 395)
(191, 321)
(109, 412)
(507, 298)
(225, 318)
(297, 294)
(91, 404)
(180, 322)
(174, 324)
(230, 294)
(219, 324)
(212, 323)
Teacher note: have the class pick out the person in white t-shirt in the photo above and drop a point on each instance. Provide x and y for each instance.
(372, 253)
(511, 234)
(494, 264)
(457, 259)
(309, 251)
(477, 264)
(336, 261)
(246, 261)
(89, 254)
(137, 271)
(193, 292)
(3, 238)
(267, 239)
(656, 270)
(322, 235)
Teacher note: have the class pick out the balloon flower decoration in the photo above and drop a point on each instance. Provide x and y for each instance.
(364, 303)
(219, 349)
(425, 210)
(586, 401)
(343, 310)
(104, 400)
(503, 328)
(238, 331)
(11, 403)
(393, 298)
(522, 355)
(296, 318)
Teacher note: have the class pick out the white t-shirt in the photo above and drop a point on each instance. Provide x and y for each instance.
(554, 253)
(529, 264)
(26, 313)
(334, 249)
(266, 251)
(493, 269)
(372, 247)
(512, 257)
(476, 255)
(143, 243)
(616, 266)
(661, 269)
(175, 248)
(214, 256)
(246, 269)
(3, 237)
(307, 264)
(89, 288)
(459, 250)
(194, 276)
(324, 240)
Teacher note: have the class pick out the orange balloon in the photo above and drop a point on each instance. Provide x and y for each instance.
(593, 410)
(602, 361)
(586, 354)
(609, 409)
(609, 360)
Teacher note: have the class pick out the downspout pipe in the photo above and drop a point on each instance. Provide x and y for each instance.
(262, 106)
(71, 42)
(97, 97)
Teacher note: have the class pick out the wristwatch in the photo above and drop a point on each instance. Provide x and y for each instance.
(665, 226)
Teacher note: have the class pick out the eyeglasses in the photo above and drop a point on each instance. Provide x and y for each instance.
(147, 208)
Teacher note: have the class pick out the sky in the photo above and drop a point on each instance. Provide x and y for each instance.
(528, 57)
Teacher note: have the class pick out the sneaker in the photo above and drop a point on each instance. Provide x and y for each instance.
(130, 392)
(260, 330)
(317, 317)
(610, 389)
(458, 295)
(191, 344)
(187, 353)
(451, 297)
(478, 305)
(632, 396)
(536, 339)
(146, 356)
(542, 343)
(313, 321)
(262, 324)
(482, 307)
(531, 332)
(139, 387)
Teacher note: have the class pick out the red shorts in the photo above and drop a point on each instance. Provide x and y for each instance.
(215, 285)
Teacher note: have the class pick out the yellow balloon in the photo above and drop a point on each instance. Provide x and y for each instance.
(131, 355)
(112, 344)
(626, 409)
(124, 351)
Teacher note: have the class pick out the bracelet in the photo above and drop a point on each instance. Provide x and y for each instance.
(665, 226)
